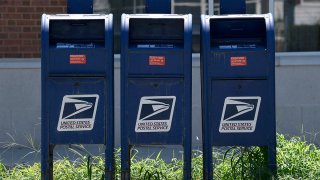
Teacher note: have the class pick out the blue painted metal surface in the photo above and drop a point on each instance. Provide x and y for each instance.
(77, 85)
(80, 7)
(155, 84)
(238, 84)
(158, 6)
(232, 7)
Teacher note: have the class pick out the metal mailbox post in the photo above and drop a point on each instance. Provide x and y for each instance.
(155, 84)
(77, 85)
(238, 84)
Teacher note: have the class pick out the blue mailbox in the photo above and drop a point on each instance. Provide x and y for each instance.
(155, 84)
(238, 84)
(77, 85)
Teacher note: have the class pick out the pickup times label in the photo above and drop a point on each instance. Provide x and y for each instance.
(240, 114)
(78, 112)
(155, 114)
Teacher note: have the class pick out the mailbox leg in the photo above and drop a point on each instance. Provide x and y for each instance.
(187, 155)
(109, 163)
(207, 151)
(187, 161)
(272, 158)
(51, 147)
(47, 162)
(125, 162)
(207, 163)
(44, 162)
(109, 149)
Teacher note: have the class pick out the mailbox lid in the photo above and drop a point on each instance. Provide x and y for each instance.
(164, 39)
(238, 33)
(238, 46)
(77, 44)
(76, 109)
(241, 112)
(150, 33)
(154, 111)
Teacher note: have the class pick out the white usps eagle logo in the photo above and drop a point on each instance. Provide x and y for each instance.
(155, 113)
(240, 114)
(78, 112)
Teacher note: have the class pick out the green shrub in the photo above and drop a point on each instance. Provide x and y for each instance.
(296, 159)
(23, 172)
(243, 163)
(3, 170)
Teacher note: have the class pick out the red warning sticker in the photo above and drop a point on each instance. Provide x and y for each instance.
(238, 61)
(78, 59)
(157, 60)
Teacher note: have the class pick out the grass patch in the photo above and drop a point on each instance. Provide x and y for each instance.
(296, 159)
(243, 163)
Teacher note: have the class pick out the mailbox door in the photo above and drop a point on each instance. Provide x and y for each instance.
(154, 111)
(240, 113)
(77, 110)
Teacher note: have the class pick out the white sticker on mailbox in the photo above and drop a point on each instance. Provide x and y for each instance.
(78, 112)
(155, 114)
(240, 114)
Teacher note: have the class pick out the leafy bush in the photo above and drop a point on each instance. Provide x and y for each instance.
(23, 172)
(296, 159)
(243, 163)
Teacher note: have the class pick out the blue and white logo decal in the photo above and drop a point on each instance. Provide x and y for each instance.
(78, 112)
(239, 114)
(155, 113)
